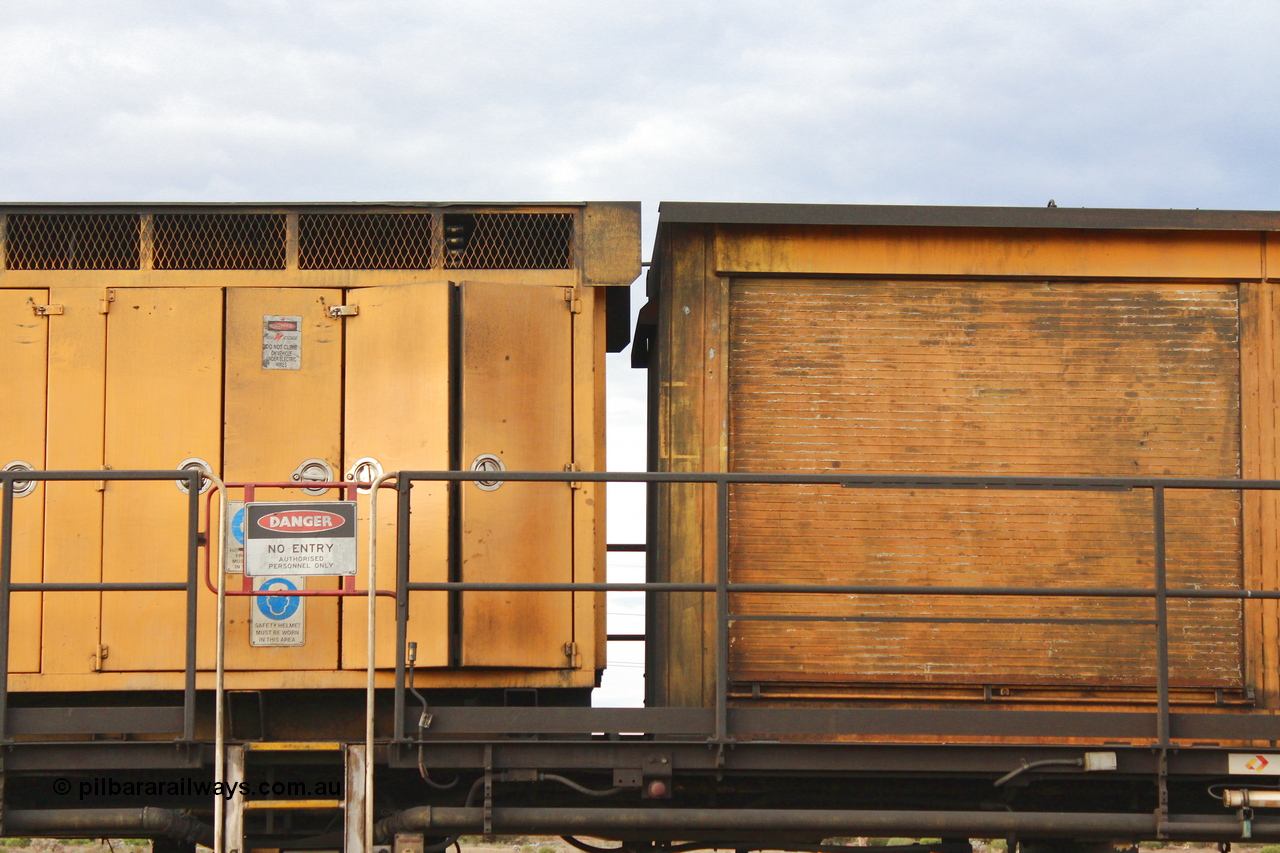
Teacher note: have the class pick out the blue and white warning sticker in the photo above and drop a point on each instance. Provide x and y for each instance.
(277, 620)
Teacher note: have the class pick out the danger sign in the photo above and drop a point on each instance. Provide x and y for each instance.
(308, 538)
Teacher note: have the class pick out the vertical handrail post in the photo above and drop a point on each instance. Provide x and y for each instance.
(1162, 618)
(6, 578)
(220, 669)
(402, 598)
(371, 637)
(722, 611)
(193, 589)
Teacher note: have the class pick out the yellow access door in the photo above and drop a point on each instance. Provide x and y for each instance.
(283, 414)
(397, 414)
(23, 345)
(163, 405)
(516, 372)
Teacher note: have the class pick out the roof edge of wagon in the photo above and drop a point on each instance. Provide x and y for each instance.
(938, 216)
(236, 206)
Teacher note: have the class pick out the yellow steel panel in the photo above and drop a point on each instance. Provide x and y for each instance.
(397, 411)
(163, 405)
(275, 420)
(23, 347)
(73, 511)
(987, 252)
(517, 405)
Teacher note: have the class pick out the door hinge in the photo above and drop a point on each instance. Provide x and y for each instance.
(338, 311)
(98, 657)
(104, 304)
(45, 310)
(575, 304)
(571, 652)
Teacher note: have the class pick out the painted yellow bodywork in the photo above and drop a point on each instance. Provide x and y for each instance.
(145, 368)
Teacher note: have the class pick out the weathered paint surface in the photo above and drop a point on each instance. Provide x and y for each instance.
(934, 350)
(964, 378)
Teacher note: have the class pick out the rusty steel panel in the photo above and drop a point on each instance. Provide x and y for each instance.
(1083, 379)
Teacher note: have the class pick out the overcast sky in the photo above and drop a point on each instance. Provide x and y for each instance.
(1122, 103)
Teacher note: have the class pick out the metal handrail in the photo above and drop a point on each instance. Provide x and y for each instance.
(723, 587)
(191, 586)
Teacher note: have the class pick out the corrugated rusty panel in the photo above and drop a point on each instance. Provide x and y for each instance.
(969, 378)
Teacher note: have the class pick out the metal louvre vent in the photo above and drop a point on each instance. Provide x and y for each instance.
(364, 241)
(508, 241)
(73, 241)
(219, 241)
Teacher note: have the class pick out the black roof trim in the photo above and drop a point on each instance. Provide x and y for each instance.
(269, 206)
(967, 217)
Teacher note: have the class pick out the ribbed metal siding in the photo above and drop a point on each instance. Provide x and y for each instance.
(974, 378)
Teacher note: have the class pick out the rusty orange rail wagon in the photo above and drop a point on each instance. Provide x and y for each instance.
(961, 524)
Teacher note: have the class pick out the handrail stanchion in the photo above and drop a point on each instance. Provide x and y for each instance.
(219, 686)
(402, 598)
(193, 591)
(371, 658)
(6, 579)
(722, 613)
(1162, 619)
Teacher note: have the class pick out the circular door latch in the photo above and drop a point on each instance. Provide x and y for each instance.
(313, 471)
(487, 462)
(21, 488)
(364, 471)
(195, 463)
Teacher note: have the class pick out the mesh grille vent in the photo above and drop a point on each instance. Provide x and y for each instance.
(364, 241)
(73, 241)
(219, 241)
(508, 241)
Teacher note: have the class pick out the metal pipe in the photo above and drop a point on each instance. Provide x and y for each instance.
(159, 586)
(846, 589)
(851, 480)
(722, 615)
(6, 585)
(219, 685)
(193, 598)
(1162, 619)
(942, 620)
(675, 822)
(402, 602)
(887, 481)
(1264, 799)
(871, 480)
(371, 658)
(108, 823)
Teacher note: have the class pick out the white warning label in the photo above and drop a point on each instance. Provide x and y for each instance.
(1253, 764)
(308, 538)
(278, 620)
(281, 343)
